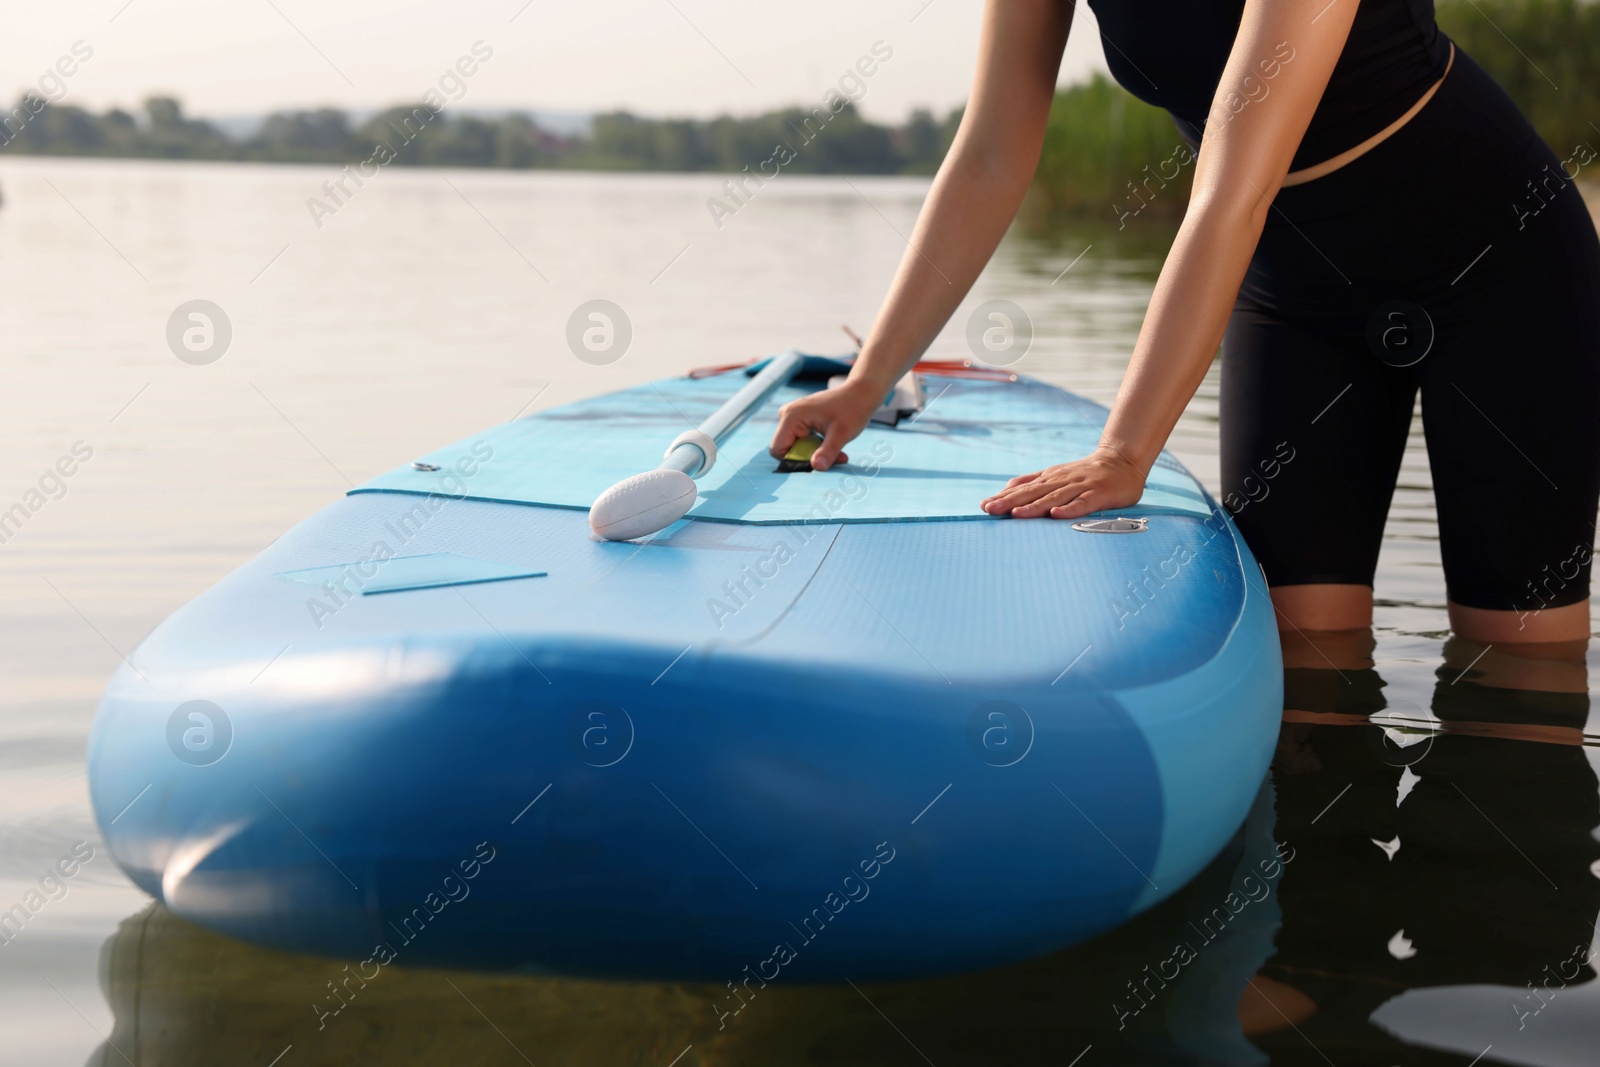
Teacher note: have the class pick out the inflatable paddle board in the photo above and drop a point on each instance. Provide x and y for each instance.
(830, 725)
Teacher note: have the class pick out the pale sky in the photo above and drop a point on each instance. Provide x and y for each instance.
(655, 57)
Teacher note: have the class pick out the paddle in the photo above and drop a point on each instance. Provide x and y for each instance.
(656, 499)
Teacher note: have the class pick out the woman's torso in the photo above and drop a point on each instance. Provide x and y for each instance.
(1171, 53)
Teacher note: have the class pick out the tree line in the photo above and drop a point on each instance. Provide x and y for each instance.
(824, 141)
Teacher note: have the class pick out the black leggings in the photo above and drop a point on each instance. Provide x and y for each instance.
(1455, 258)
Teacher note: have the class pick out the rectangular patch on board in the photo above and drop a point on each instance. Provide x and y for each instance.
(401, 573)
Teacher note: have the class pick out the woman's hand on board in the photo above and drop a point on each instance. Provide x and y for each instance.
(1101, 480)
(838, 414)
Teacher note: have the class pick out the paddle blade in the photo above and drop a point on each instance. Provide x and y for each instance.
(642, 505)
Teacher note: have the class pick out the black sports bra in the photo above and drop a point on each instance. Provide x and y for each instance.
(1170, 53)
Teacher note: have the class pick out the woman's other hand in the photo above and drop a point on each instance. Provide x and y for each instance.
(1101, 480)
(838, 414)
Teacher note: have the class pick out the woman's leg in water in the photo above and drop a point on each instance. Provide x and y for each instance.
(1322, 606)
(1511, 406)
(1564, 625)
(1348, 607)
(1314, 426)
(1367, 287)
(1313, 431)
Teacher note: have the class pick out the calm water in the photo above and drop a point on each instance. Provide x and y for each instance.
(1434, 877)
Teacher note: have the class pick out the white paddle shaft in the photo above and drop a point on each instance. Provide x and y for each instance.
(690, 458)
(654, 500)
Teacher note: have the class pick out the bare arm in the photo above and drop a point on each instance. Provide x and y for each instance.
(973, 200)
(1246, 154)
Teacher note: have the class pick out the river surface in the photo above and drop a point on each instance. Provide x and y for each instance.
(1446, 878)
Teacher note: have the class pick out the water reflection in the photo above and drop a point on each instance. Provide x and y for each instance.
(1389, 850)
(1135, 250)
(1459, 855)
(183, 995)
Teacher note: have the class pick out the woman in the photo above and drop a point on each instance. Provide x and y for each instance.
(1371, 216)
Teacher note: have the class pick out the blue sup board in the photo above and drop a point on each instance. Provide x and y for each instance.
(831, 725)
